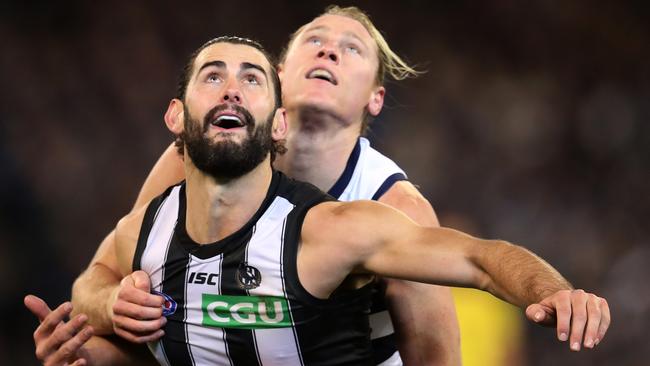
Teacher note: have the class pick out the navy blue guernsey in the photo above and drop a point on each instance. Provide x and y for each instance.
(367, 176)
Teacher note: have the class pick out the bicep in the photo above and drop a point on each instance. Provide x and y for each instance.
(405, 250)
(167, 171)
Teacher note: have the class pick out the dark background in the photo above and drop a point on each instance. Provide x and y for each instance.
(531, 125)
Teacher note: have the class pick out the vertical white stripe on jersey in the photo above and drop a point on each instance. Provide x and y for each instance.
(155, 253)
(207, 344)
(265, 253)
(153, 257)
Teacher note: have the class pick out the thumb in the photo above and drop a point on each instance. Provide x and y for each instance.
(37, 306)
(538, 313)
(141, 281)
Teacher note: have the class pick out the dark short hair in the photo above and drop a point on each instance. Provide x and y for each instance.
(186, 73)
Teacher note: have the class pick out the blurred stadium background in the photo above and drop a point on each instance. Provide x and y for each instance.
(531, 125)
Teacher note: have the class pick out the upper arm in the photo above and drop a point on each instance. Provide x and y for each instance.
(392, 245)
(167, 171)
(127, 232)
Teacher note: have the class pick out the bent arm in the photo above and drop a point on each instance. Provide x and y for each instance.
(424, 316)
(93, 288)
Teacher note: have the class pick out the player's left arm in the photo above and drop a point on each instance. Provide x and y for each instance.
(424, 316)
(377, 236)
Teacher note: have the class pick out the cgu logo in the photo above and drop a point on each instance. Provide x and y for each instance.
(246, 312)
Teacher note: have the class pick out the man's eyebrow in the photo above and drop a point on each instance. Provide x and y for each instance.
(326, 28)
(317, 28)
(249, 65)
(217, 63)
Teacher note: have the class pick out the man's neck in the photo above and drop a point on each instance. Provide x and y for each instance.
(318, 147)
(216, 210)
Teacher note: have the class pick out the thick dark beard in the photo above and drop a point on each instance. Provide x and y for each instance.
(227, 160)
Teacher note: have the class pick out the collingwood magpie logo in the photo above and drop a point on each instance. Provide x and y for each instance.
(248, 277)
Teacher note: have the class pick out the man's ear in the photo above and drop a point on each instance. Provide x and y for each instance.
(376, 101)
(280, 127)
(175, 116)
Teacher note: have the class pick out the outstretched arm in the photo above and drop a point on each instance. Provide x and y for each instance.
(374, 237)
(424, 316)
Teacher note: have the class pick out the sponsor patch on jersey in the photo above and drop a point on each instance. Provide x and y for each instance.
(248, 277)
(246, 312)
(169, 307)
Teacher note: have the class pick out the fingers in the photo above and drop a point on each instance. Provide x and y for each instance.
(129, 292)
(139, 338)
(578, 318)
(137, 314)
(37, 306)
(138, 326)
(63, 334)
(582, 318)
(594, 315)
(69, 349)
(604, 321)
(50, 322)
(563, 311)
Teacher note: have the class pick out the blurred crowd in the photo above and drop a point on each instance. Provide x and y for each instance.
(530, 125)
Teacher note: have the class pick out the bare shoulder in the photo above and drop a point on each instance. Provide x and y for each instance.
(405, 197)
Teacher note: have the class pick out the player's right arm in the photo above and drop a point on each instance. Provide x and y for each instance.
(94, 292)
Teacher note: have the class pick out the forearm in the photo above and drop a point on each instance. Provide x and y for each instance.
(109, 351)
(91, 293)
(516, 275)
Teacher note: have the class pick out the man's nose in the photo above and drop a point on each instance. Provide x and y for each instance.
(328, 53)
(232, 95)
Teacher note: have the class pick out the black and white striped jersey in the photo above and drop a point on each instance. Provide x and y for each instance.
(238, 301)
(367, 176)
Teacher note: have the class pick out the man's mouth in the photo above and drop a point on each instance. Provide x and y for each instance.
(228, 121)
(322, 74)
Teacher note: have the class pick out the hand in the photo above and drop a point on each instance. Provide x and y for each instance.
(585, 315)
(58, 342)
(136, 313)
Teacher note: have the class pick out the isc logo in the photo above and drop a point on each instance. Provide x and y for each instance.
(247, 312)
(201, 278)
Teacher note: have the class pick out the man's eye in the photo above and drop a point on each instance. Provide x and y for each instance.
(213, 78)
(315, 41)
(251, 79)
(352, 49)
